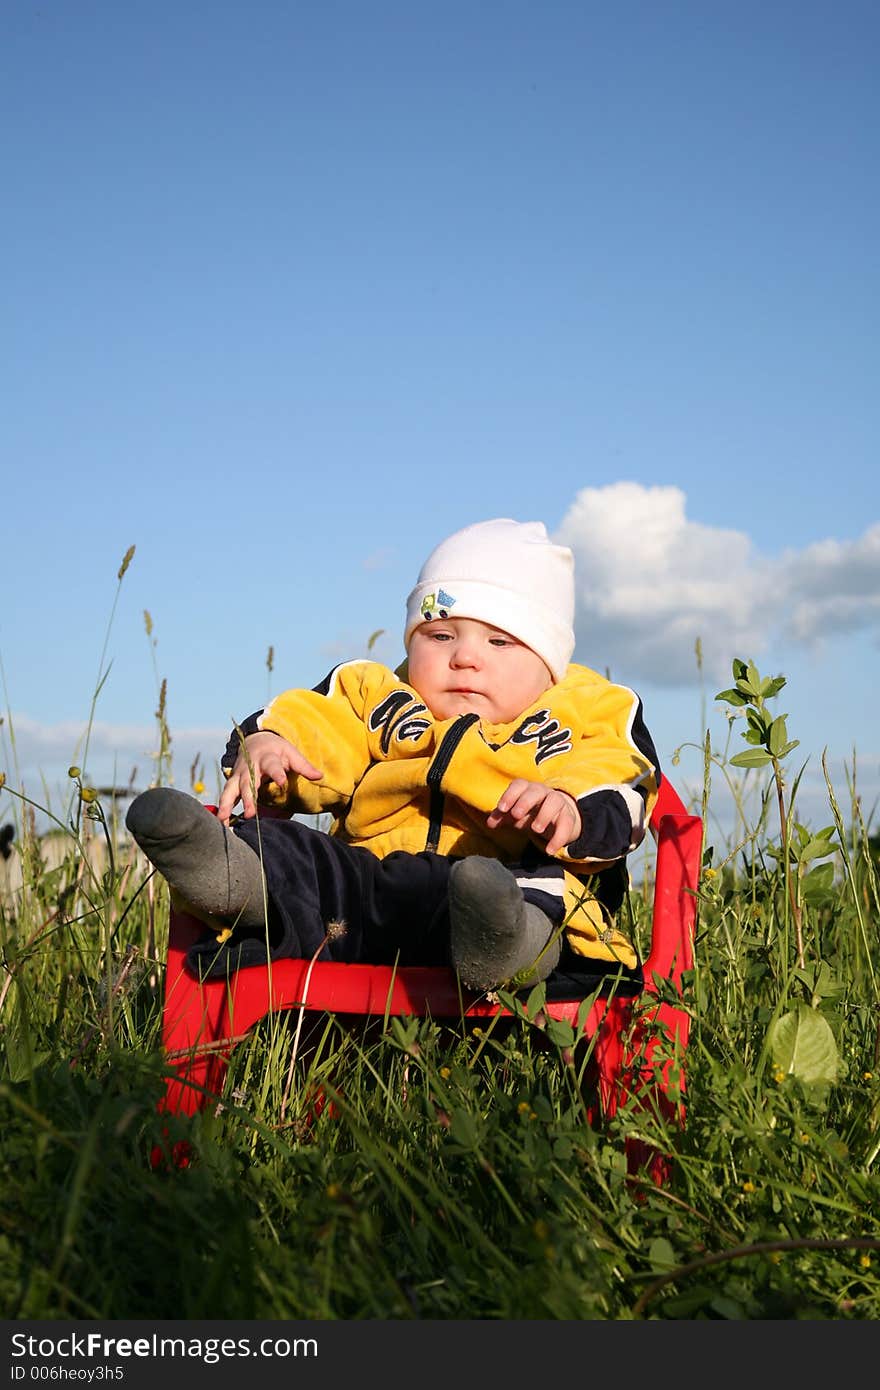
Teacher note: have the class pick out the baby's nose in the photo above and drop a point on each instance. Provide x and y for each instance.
(466, 653)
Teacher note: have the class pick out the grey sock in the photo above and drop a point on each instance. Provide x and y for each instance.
(213, 870)
(494, 933)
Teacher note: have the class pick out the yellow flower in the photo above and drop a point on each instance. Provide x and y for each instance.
(867, 1076)
(333, 1190)
(73, 771)
(198, 788)
(523, 1108)
(445, 1072)
(778, 1075)
(805, 1138)
(88, 794)
(710, 873)
(749, 1187)
(865, 1260)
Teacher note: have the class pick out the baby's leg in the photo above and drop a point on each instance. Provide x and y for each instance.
(494, 933)
(211, 868)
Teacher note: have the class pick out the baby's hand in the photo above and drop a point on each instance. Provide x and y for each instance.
(546, 811)
(272, 758)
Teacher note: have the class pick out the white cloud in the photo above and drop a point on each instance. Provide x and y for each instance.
(834, 587)
(650, 583)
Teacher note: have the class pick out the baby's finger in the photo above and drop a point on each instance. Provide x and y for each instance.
(510, 795)
(560, 838)
(248, 804)
(565, 828)
(303, 768)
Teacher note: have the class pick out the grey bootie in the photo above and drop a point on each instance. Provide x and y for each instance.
(215, 872)
(494, 933)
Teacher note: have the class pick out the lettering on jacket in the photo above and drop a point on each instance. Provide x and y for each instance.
(398, 716)
(550, 737)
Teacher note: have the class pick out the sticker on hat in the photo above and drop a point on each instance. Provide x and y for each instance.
(436, 605)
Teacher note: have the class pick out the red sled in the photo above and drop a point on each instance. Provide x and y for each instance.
(638, 1044)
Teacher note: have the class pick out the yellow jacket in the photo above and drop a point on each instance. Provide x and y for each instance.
(394, 778)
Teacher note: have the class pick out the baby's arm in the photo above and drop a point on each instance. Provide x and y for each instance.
(264, 757)
(547, 812)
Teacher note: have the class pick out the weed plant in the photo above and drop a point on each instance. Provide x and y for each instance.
(452, 1174)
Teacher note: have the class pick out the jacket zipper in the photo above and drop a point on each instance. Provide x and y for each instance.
(437, 771)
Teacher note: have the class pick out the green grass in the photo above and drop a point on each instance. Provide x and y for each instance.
(455, 1174)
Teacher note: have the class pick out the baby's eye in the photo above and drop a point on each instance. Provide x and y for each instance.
(501, 642)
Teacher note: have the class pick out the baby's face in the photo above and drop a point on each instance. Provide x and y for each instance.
(463, 666)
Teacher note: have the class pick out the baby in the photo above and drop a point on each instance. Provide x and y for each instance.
(483, 796)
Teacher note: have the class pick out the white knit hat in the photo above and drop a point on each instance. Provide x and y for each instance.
(506, 573)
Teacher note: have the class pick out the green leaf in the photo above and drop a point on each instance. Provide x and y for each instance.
(560, 1033)
(752, 680)
(536, 1000)
(584, 1008)
(821, 982)
(772, 686)
(815, 848)
(802, 1044)
(818, 885)
(756, 759)
(778, 736)
(732, 697)
(661, 1254)
(21, 1062)
(463, 1128)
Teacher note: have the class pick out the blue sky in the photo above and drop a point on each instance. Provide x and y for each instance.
(294, 290)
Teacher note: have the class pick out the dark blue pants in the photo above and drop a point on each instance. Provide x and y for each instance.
(337, 900)
(344, 904)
